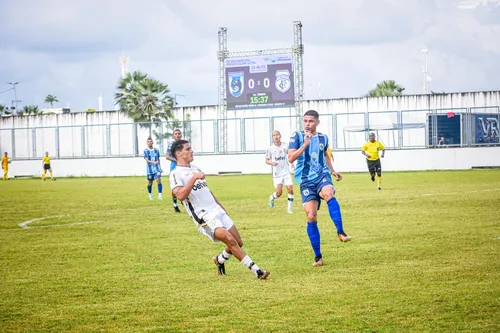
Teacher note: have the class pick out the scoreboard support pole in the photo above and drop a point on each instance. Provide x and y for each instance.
(297, 50)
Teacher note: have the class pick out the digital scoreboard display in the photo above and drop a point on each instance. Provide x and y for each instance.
(260, 82)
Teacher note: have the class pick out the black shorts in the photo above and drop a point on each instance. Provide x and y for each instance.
(46, 166)
(374, 166)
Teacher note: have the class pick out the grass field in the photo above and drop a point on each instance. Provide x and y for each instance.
(425, 257)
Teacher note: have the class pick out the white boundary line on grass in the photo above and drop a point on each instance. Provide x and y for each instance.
(24, 224)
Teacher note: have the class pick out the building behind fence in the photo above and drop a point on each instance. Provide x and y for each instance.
(413, 121)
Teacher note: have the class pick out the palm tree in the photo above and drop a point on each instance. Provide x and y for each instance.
(386, 88)
(50, 99)
(144, 99)
(30, 109)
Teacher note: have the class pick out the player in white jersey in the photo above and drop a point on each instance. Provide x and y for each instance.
(189, 185)
(276, 156)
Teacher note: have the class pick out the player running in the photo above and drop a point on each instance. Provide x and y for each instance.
(276, 156)
(312, 172)
(188, 184)
(177, 135)
(153, 168)
(370, 150)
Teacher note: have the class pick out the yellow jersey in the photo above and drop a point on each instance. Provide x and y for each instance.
(5, 161)
(46, 160)
(372, 149)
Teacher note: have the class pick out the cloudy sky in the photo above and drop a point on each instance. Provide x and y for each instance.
(71, 48)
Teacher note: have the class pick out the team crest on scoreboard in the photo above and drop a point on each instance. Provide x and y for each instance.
(236, 83)
(283, 82)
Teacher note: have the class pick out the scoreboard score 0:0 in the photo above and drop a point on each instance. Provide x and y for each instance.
(260, 82)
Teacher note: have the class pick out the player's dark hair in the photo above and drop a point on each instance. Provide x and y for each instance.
(313, 113)
(177, 130)
(177, 146)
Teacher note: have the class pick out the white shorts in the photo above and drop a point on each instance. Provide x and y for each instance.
(285, 180)
(218, 221)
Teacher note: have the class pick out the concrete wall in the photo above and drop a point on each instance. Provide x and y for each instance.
(110, 134)
(345, 161)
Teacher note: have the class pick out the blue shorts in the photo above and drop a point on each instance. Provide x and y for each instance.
(172, 166)
(153, 176)
(310, 189)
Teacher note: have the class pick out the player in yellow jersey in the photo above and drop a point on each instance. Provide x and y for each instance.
(5, 166)
(46, 166)
(370, 150)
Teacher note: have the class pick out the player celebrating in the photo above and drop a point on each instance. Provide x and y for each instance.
(5, 166)
(177, 135)
(276, 157)
(46, 166)
(153, 168)
(188, 184)
(312, 172)
(370, 150)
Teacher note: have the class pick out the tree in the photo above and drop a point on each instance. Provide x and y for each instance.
(30, 109)
(143, 99)
(184, 126)
(386, 88)
(51, 99)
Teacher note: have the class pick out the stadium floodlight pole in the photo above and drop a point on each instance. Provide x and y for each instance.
(298, 52)
(222, 55)
(15, 92)
(427, 78)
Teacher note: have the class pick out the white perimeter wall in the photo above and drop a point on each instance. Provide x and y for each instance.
(345, 161)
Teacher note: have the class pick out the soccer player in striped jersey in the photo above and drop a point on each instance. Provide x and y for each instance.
(314, 165)
(177, 135)
(153, 168)
(189, 185)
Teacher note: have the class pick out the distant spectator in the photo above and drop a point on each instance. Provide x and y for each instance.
(481, 139)
(441, 141)
(488, 139)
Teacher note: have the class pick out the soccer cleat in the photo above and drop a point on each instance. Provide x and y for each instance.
(160, 197)
(177, 210)
(318, 262)
(262, 275)
(373, 178)
(271, 203)
(380, 189)
(344, 238)
(151, 197)
(221, 269)
(290, 211)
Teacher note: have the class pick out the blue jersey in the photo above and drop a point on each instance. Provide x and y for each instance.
(173, 164)
(154, 156)
(311, 165)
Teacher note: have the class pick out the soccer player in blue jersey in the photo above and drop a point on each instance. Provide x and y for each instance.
(310, 149)
(153, 168)
(177, 135)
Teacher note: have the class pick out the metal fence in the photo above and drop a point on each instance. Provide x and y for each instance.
(460, 127)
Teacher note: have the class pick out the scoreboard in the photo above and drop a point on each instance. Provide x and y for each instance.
(260, 82)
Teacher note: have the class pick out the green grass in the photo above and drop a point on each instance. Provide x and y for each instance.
(425, 257)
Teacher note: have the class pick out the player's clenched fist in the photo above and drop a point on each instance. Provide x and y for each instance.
(198, 175)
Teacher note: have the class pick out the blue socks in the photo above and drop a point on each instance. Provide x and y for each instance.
(160, 187)
(314, 237)
(150, 188)
(334, 210)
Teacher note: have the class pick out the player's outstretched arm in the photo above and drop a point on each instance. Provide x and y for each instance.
(182, 192)
(329, 164)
